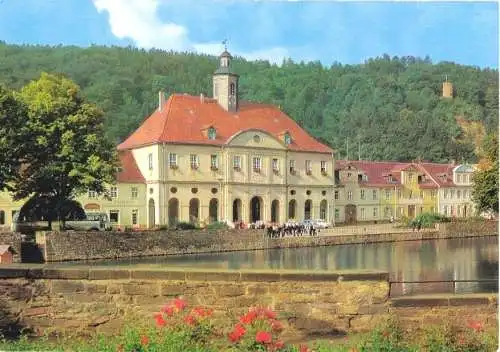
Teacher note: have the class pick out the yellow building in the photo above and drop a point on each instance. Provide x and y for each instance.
(373, 190)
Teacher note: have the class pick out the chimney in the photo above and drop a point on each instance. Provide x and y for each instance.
(161, 100)
(202, 98)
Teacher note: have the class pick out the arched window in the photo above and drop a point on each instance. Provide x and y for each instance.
(322, 209)
(213, 210)
(2, 217)
(308, 210)
(292, 208)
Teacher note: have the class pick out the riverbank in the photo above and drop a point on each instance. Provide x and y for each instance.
(73, 246)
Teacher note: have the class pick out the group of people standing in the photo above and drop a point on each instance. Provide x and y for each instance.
(291, 229)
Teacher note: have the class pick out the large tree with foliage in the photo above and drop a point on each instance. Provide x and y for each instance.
(64, 151)
(11, 118)
(485, 191)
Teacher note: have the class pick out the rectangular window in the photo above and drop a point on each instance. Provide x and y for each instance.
(399, 194)
(237, 162)
(336, 194)
(363, 215)
(349, 195)
(400, 211)
(410, 178)
(452, 194)
(150, 161)
(172, 160)
(445, 210)
(459, 178)
(362, 194)
(194, 161)
(292, 167)
(135, 213)
(113, 192)
(214, 162)
(374, 194)
(458, 194)
(323, 167)
(257, 164)
(134, 192)
(375, 212)
(387, 194)
(387, 212)
(92, 194)
(276, 167)
(433, 194)
(308, 167)
(114, 216)
(445, 193)
(422, 194)
(337, 213)
(466, 194)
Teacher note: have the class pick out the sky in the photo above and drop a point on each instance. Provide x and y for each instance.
(348, 32)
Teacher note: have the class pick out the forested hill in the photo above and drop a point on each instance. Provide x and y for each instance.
(388, 108)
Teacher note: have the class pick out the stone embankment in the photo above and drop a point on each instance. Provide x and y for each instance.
(311, 304)
(68, 246)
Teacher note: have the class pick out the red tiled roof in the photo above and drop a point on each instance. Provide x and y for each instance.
(129, 172)
(377, 171)
(184, 117)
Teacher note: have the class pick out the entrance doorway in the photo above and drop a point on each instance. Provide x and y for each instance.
(237, 210)
(151, 213)
(292, 209)
(307, 210)
(411, 211)
(213, 210)
(255, 209)
(194, 209)
(323, 209)
(173, 212)
(275, 211)
(350, 214)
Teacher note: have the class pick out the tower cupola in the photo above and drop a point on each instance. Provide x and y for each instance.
(225, 83)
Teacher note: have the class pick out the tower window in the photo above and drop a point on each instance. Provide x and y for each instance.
(232, 89)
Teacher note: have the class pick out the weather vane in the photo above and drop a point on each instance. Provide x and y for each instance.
(224, 42)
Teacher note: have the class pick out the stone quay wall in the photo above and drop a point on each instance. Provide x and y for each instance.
(68, 246)
(310, 304)
(13, 239)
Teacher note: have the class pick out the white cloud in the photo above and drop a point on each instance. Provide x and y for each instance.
(138, 20)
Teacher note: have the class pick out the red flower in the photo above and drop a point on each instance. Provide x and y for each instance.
(159, 320)
(276, 325)
(279, 344)
(179, 303)
(144, 340)
(263, 337)
(240, 329)
(249, 317)
(201, 312)
(269, 313)
(304, 348)
(237, 333)
(168, 310)
(475, 325)
(190, 320)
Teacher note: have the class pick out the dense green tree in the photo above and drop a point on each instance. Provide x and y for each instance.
(12, 114)
(485, 191)
(64, 149)
(391, 105)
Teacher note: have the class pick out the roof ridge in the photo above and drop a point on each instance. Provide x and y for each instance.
(167, 112)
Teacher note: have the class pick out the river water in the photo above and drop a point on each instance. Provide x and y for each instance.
(430, 260)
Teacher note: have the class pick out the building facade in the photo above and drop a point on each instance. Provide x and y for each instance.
(378, 191)
(199, 159)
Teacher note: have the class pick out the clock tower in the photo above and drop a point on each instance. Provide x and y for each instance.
(225, 83)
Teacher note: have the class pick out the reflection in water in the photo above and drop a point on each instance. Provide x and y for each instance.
(434, 260)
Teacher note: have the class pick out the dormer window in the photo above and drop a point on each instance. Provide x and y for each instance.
(287, 139)
(212, 133)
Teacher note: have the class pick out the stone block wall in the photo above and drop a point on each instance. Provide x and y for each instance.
(13, 239)
(469, 228)
(85, 299)
(63, 246)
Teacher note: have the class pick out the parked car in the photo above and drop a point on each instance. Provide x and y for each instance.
(320, 224)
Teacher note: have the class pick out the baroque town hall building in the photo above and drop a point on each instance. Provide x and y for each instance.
(200, 159)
